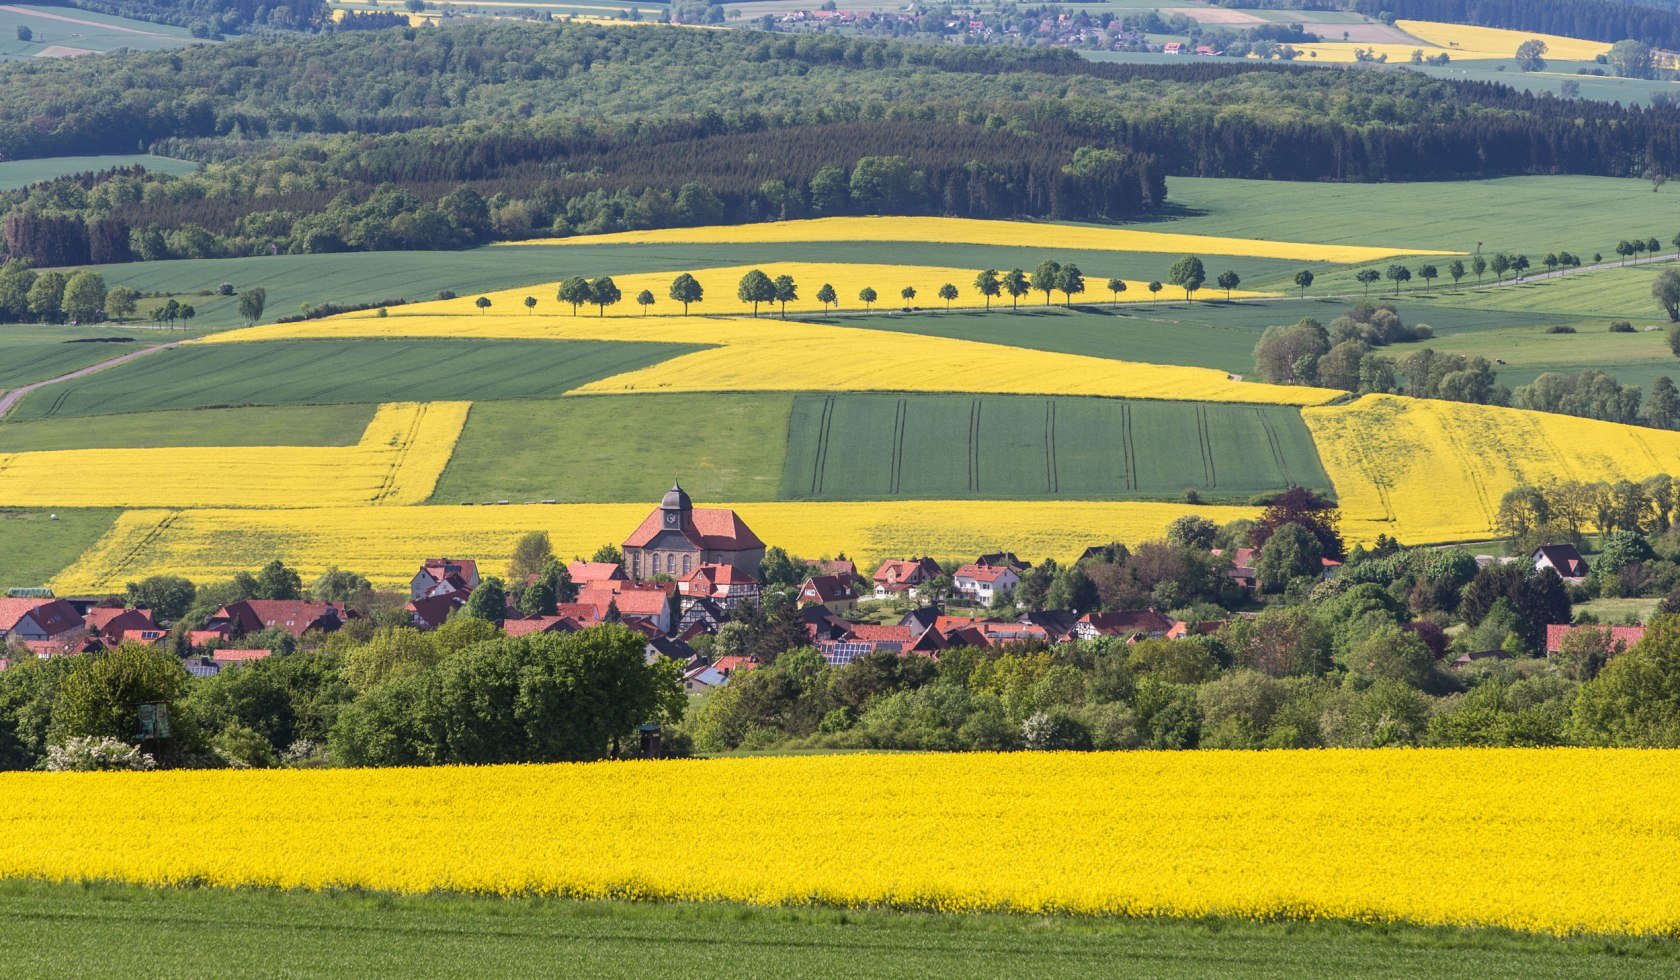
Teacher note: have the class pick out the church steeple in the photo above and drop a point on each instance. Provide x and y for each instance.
(676, 505)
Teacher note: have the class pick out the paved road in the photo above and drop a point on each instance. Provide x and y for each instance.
(11, 398)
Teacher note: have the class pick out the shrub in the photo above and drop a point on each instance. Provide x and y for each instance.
(96, 754)
(1621, 326)
(1559, 328)
(446, 294)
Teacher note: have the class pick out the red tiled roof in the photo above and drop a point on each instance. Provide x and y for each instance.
(728, 665)
(983, 573)
(54, 616)
(580, 612)
(240, 656)
(866, 633)
(540, 624)
(433, 611)
(295, 616)
(441, 568)
(631, 602)
(712, 528)
(825, 588)
(720, 575)
(1129, 621)
(583, 572)
(1626, 636)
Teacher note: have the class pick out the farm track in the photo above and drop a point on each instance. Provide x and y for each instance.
(10, 399)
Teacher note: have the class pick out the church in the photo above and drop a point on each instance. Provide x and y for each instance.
(678, 537)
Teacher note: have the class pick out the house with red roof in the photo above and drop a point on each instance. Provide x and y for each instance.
(678, 537)
(828, 591)
(900, 577)
(430, 612)
(37, 619)
(634, 600)
(1621, 637)
(983, 583)
(540, 624)
(441, 576)
(1131, 623)
(1563, 559)
(587, 572)
(114, 625)
(729, 666)
(295, 616)
(233, 658)
(724, 585)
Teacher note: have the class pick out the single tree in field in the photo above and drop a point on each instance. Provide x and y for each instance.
(1188, 274)
(866, 294)
(1304, 279)
(1478, 265)
(827, 297)
(530, 303)
(1428, 274)
(1653, 246)
(1016, 285)
(1070, 282)
(1666, 290)
(120, 304)
(786, 291)
(988, 285)
(1228, 280)
(908, 293)
(1501, 264)
(685, 289)
(1519, 264)
(603, 292)
(1154, 288)
(1044, 278)
(948, 292)
(1398, 274)
(1624, 248)
(1455, 268)
(483, 302)
(1366, 277)
(645, 299)
(24, 34)
(1530, 55)
(251, 303)
(575, 291)
(84, 296)
(1116, 287)
(755, 288)
(1550, 261)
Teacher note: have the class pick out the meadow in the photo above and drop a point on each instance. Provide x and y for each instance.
(618, 448)
(279, 425)
(21, 173)
(40, 542)
(209, 376)
(53, 929)
(67, 31)
(864, 447)
(35, 353)
(1357, 835)
(209, 544)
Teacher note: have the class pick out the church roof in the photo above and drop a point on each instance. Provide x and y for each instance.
(710, 528)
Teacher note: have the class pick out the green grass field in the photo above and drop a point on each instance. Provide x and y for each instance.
(1618, 293)
(1634, 358)
(1514, 214)
(73, 930)
(285, 425)
(607, 448)
(937, 447)
(31, 353)
(34, 547)
(335, 372)
(21, 173)
(60, 31)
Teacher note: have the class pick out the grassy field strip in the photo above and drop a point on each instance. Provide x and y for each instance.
(21, 173)
(382, 542)
(38, 543)
(866, 447)
(977, 231)
(1360, 834)
(54, 930)
(397, 461)
(1434, 471)
(336, 372)
(284, 425)
(767, 354)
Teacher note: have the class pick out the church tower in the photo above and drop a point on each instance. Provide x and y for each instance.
(676, 510)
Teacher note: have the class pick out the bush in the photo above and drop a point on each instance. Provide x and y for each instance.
(226, 289)
(97, 754)
(446, 294)
(1621, 326)
(1559, 328)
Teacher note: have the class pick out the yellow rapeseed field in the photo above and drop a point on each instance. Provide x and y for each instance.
(1559, 841)
(384, 543)
(1496, 43)
(398, 461)
(768, 354)
(981, 231)
(1434, 471)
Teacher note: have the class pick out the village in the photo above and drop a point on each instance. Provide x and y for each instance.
(684, 574)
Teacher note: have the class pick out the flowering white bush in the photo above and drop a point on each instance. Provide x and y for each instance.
(97, 755)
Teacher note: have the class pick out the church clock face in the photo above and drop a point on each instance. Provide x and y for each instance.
(670, 520)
